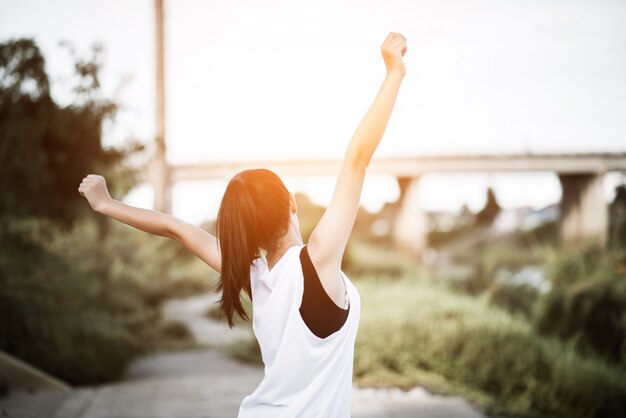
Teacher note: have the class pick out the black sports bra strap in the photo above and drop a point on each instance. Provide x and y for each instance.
(321, 315)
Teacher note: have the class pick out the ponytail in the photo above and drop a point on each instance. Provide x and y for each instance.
(236, 222)
(253, 213)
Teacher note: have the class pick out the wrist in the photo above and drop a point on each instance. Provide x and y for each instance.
(104, 206)
(395, 75)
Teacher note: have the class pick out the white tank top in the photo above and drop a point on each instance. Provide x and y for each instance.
(305, 375)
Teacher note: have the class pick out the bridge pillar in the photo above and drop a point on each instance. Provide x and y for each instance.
(584, 213)
(410, 223)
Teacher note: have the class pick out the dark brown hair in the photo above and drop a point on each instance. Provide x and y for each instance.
(253, 214)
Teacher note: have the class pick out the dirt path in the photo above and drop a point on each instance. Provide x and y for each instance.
(206, 383)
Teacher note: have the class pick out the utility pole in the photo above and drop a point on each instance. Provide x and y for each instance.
(161, 170)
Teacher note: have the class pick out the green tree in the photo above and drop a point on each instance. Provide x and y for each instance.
(70, 303)
(46, 148)
(488, 213)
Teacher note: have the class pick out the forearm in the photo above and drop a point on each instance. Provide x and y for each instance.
(150, 221)
(370, 131)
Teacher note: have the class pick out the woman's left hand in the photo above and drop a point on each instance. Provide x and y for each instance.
(393, 50)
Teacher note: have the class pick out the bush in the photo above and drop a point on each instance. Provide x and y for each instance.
(177, 330)
(61, 321)
(361, 259)
(516, 299)
(77, 299)
(413, 332)
(479, 280)
(587, 305)
(438, 238)
(76, 306)
(48, 147)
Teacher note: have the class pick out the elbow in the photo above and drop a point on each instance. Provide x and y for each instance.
(170, 230)
(358, 159)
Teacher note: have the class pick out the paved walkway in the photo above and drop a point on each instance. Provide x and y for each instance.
(206, 383)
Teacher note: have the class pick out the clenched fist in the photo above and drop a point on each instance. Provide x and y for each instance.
(94, 188)
(393, 49)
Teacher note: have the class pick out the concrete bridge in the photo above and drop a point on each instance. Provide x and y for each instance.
(584, 213)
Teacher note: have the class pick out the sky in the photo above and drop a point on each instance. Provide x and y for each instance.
(292, 79)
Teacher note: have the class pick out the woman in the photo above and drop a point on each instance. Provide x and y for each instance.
(305, 310)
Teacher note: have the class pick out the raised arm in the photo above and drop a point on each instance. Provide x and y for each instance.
(196, 239)
(328, 240)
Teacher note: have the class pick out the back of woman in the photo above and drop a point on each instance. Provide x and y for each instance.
(305, 375)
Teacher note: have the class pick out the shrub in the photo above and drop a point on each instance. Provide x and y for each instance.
(177, 332)
(75, 305)
(48, 147)
(416, 333)
(62, 321)
(362, 259)
(480, 279)
(516, 299)
(587, 303)
(77, 299)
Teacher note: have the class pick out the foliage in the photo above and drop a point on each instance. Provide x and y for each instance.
(587, 304)
(483, 256)
(464, 224)
(514, 298)
(488, 213)
(74, 301)
(79, 307)
(59, 317)
(364, 259)
(437, 237)
(479, 280)
(177, 330)
(414, 332)
(544, 235)
(46, 149)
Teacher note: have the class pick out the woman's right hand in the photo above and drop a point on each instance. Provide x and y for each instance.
(94, 188)
(393, 49)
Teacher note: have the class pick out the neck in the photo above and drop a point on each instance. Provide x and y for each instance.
(292, 237)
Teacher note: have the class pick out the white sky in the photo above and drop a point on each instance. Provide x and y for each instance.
(287, 79)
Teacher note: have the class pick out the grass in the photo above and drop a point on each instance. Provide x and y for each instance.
(416, 332)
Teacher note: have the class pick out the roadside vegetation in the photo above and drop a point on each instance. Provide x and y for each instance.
(79, 294)
(417, 331)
